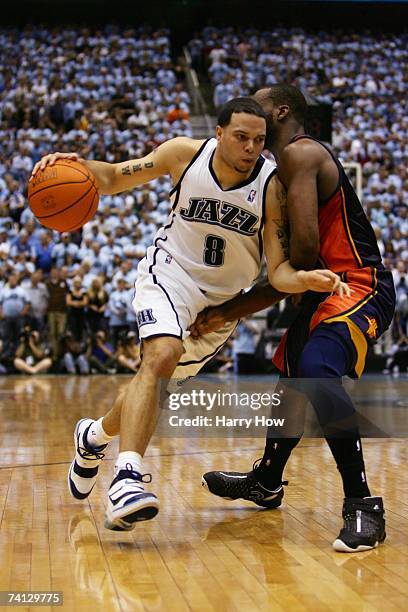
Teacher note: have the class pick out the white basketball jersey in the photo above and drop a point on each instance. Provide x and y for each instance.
(215, 235)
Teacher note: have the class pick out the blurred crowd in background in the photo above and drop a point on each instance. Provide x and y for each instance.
(114, 94)
(109, 94)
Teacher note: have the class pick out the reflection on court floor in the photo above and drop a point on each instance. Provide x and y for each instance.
(200, 553)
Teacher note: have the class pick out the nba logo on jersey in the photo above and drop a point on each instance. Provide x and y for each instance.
(252, 195)
(144, 317)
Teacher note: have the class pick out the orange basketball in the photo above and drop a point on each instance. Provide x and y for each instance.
(64, 196)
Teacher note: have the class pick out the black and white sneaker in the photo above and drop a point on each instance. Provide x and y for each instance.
(364, 525)
(128, 502)
(238, 485)
(83, 470)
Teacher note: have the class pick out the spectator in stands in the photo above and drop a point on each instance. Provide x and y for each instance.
(400, 275)
(31, 357)
(118, 305)
(244, 347)
(62, 249)
(398, 359)
(97, 303)
(4, 238)
(16, 200)
(57, 307)
(131, 320)
(128, 354)
(176, 113)
(22, 266)
(44, 250)
(100, 354)
(37, 295)
(77, 302)
(22, 244)
(126, 272)
(14, 308)
(4, 361)
(73, 355)
(84, 271)
(96, 260)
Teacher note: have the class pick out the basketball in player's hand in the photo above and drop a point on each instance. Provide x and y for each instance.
(63, 196)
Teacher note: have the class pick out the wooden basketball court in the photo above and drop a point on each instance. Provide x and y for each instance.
(200, 553)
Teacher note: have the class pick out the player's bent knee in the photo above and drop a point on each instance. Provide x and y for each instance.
(313, 364)
(161, 355)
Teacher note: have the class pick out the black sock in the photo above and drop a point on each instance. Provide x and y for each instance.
(348, 454)
(276, 454)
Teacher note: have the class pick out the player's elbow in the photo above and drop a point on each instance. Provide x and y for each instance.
(106, 186)
(270, 293)
(107, 181)
(270, 277)
(273, 278)
(304, 254)
(278, 283)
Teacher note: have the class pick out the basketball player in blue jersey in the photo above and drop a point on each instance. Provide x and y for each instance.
(227, 204)
(329, 337)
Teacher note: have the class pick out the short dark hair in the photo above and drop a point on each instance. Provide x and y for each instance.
(281, 93)
(239, 105)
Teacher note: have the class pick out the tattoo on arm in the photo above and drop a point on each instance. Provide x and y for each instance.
(137, 168)
(282, 223)
(283, 235)
(281, 193)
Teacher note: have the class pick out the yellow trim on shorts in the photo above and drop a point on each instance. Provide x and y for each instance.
(356, 334)
(358, 339)
(350, 312)
(350, 237)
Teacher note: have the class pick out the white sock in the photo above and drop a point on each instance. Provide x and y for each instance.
(96, 435)
(129, 458)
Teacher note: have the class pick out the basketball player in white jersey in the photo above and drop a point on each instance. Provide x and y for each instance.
(227, 204)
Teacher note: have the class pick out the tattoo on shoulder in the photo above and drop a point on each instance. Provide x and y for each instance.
(149, 165)
(126, 171)
(137, 167)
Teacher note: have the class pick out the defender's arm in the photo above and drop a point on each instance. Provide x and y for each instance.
(280, 272)
(298, 169)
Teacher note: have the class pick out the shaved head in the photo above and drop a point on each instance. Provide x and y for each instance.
(282, 94)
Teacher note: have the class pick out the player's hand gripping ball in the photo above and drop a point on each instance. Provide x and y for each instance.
(63, 196)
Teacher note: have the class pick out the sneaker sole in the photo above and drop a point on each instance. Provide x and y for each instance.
(340, 546)
(119, 525)
(71, 485)
(271, 505)
(127, 517)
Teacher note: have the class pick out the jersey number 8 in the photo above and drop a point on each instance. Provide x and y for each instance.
(214, 248)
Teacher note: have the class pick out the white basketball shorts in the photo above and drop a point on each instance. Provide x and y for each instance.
(167, 302)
